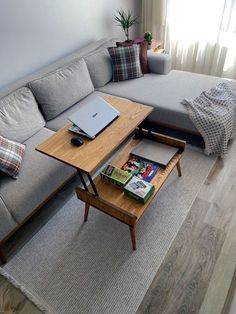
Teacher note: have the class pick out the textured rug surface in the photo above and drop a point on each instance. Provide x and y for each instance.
(91, 268)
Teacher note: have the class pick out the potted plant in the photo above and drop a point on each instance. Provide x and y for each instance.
(125, 21)
(148, 37)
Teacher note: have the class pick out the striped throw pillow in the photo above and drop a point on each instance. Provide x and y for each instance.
(125, 63)
(11, 154)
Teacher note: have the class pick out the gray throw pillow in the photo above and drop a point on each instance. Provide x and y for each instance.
(99, 66)
(20, 117)
(61, 89)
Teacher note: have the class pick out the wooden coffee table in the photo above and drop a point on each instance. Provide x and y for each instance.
(93, 153)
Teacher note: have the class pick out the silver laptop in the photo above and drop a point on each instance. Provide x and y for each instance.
(93, 117)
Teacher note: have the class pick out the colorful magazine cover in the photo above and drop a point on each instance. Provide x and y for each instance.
(141, 168)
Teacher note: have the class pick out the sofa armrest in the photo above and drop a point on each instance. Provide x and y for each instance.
(159, 63)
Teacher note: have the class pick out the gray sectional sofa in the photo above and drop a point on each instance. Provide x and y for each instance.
(35, 107)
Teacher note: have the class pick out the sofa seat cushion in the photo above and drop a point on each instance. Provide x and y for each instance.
(61, 89)
(62, 119)
(165, 93)
(20, 117)
(40, 176)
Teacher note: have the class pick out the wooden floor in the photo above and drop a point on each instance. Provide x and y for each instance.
(197, 274)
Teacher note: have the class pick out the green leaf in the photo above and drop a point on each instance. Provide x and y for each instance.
(125, 20)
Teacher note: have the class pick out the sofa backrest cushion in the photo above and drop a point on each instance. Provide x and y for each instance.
(20, 117)
(99, 66)
(61, 89)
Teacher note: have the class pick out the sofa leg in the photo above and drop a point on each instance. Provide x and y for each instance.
(133, 237)
(3, 258)
(179, 169)
(86, 212)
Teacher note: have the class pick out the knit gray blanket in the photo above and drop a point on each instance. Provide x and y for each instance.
(214, 115)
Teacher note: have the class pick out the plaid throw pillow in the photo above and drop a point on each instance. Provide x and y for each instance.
(142, 55)
(11, 154)
(125, 63)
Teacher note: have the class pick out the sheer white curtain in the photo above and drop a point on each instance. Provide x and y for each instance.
(199, 35)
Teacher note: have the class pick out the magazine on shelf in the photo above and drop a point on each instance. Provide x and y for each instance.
(141, 168)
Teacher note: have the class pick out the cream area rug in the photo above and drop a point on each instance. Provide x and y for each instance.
(90, 267)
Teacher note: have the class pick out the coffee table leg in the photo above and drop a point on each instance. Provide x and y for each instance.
(179, 169)
(86, 211)
(133, 237)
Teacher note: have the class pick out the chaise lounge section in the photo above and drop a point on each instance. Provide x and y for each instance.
(165, 93)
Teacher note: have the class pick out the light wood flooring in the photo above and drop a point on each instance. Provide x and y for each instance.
(197, 274)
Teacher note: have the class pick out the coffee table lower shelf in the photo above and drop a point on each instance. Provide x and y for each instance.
(112, 200)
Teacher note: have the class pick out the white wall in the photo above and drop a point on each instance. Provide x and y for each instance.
(34, 33)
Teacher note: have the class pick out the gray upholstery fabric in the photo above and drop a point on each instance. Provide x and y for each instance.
(100, 68)
(59, 90)
(39, 176)
(159, 63)
(7, 223)
(20, 117)
(60, 121)
(164, 93)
